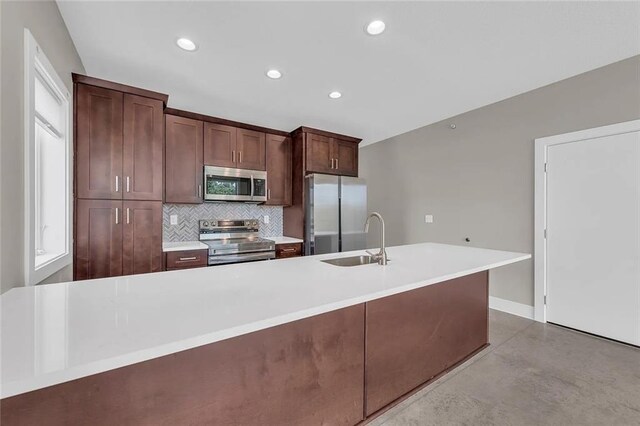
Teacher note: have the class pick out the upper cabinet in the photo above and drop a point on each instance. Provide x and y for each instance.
(98, 143)
(220, 145)
(330, 153)
(143, 136)
(184, 164)
(319, 154)
(278, 170)
(119, 142)
(251, 150)
(227, 146)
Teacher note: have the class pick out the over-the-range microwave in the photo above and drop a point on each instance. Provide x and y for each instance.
(227, 184)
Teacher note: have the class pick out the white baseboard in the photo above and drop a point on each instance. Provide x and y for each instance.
(510, 307)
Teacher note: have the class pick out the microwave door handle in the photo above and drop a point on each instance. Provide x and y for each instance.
(252, 188)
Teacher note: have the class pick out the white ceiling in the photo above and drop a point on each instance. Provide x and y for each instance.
(435, 60)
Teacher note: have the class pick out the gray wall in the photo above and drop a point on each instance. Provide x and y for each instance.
(477, 180)
(45, 23)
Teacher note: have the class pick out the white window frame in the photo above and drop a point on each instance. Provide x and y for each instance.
(35, 59)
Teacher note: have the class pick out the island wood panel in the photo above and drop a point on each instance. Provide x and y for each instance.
(142, 237)
(98, 142)
(143, 146)
(414, 336)
(183, 161)
(307, 372)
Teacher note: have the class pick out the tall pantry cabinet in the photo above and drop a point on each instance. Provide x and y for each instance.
(118, 179)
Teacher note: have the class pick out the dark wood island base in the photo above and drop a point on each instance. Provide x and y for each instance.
(343, 367)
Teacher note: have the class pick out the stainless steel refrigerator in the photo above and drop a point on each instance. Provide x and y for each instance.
(335, 214)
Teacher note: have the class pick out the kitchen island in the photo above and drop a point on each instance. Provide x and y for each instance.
(295, 341)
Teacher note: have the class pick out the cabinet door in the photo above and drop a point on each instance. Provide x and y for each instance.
(142, 237)
(219, 145)
(251, 150)
(98, 251)
(278, 170)
(319, 154)
(143, 137)
(345, 156)
(183, 166)
(98, 143)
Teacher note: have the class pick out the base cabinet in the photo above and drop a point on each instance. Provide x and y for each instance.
(284, 251)
(186, 259)
(116, 238)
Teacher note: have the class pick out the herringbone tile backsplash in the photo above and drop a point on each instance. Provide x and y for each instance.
(189, 215)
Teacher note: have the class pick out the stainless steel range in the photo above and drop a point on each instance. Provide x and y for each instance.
(233, 241)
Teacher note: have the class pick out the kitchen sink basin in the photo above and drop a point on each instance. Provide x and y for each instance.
(351, 261)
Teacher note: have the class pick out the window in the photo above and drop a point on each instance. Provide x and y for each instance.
(47, 166)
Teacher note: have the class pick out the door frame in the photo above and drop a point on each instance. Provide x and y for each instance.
(540, 199)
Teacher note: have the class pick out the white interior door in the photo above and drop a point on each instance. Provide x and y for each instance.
(593, 236)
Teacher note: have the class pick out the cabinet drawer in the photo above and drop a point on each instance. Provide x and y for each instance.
(288, 250)
(186, 259)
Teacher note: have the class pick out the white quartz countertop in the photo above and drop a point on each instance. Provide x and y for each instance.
(284, 240)
(183, 245)
(59, 332)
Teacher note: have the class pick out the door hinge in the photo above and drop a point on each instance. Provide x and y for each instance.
(545, 299)
(545, 233)
(546, 167)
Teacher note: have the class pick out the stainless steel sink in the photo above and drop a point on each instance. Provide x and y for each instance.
(351, 261)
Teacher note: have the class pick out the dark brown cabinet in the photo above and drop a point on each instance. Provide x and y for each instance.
(118, 180)
(331, 155)
(141, 237)
(117, 238)
(319, 154)
(345, 155)
(278, 170)
(251, 150)
(119, 144)
(227, 146)
(288, 250)
(99, 142)
(219, 145)
(142, 154)
(98, 239)
(184, 163)
(186, 259)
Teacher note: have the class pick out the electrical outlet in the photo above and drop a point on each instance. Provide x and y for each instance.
(428, 218)
(173, 219)
(265, 219)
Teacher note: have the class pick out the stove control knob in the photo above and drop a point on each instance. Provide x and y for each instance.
(205, 223)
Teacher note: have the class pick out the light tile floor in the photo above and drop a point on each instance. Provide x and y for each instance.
(532, 374)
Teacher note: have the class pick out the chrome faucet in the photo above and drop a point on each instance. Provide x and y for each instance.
(381, 256)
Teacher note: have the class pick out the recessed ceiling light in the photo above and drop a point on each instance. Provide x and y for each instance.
(375, 27)
(335, 95)
(186, 44)
(274, 74)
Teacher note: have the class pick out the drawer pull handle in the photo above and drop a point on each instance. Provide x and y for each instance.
(288, 249)
(184, 259)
